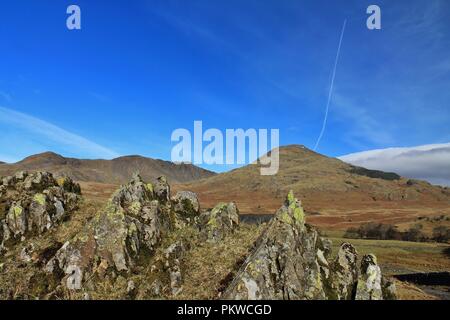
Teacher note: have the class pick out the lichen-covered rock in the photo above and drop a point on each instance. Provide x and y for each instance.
(186, 205)
(162, 189)
(172, 265)
(219, 222)
(345, 273)
(32, 203)
(131, 225)
(291, 261)
(369, 281)
(284, 263)
(136, 247)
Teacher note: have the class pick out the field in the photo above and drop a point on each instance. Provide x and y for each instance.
(403, 257)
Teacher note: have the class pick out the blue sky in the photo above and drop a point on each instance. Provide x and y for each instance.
(138, 71)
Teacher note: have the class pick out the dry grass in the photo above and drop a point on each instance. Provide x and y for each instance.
(400, 256)
(407, 291)
(209, 265)
(20, 280)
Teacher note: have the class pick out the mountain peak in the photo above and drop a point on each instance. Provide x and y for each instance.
(45, 158)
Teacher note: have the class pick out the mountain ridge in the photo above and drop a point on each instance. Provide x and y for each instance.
(115, 171)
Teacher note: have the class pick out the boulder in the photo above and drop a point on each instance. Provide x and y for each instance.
(345, 273)
(369, 281)
(186, 205)
(219, 222)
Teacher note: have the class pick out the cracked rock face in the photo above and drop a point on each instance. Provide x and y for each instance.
(291, 261)
(285, 264)
(131, 224)
(33, 203)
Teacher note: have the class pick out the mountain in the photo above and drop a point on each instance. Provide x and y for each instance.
(116, 171)
(333, 191)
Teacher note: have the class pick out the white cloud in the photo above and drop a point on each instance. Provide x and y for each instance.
(429, 162)
(47, 132)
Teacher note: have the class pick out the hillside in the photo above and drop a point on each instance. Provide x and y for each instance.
(335, 193)
(116, 171)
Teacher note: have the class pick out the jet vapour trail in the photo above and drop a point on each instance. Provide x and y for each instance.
(330, 93)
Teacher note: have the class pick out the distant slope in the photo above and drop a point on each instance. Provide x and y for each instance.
(324, 184)
(114, 171)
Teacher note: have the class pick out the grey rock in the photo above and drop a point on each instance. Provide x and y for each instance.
(162, 189)
(131, 224)
(389, 289)
(26, 253)
(284, 263)
(131, 287)
(369, 281)
(186, 205)
(34, 204)
(345, 272)
(219, 222)
(290, 261)
(172, 264)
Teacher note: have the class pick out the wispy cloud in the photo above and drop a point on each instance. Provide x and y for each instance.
(427, 162)
(48, 131)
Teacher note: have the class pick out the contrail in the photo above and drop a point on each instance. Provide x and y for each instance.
(330, 93)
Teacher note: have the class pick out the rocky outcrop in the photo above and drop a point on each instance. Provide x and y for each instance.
(33, 203)
(186, 206)
(130, 226)
(219, 222)
(137, 246)
(291, 261)
(284, 264)
(345, 273)
(369, 281)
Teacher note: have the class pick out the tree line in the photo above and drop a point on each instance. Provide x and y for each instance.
(380, 231)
